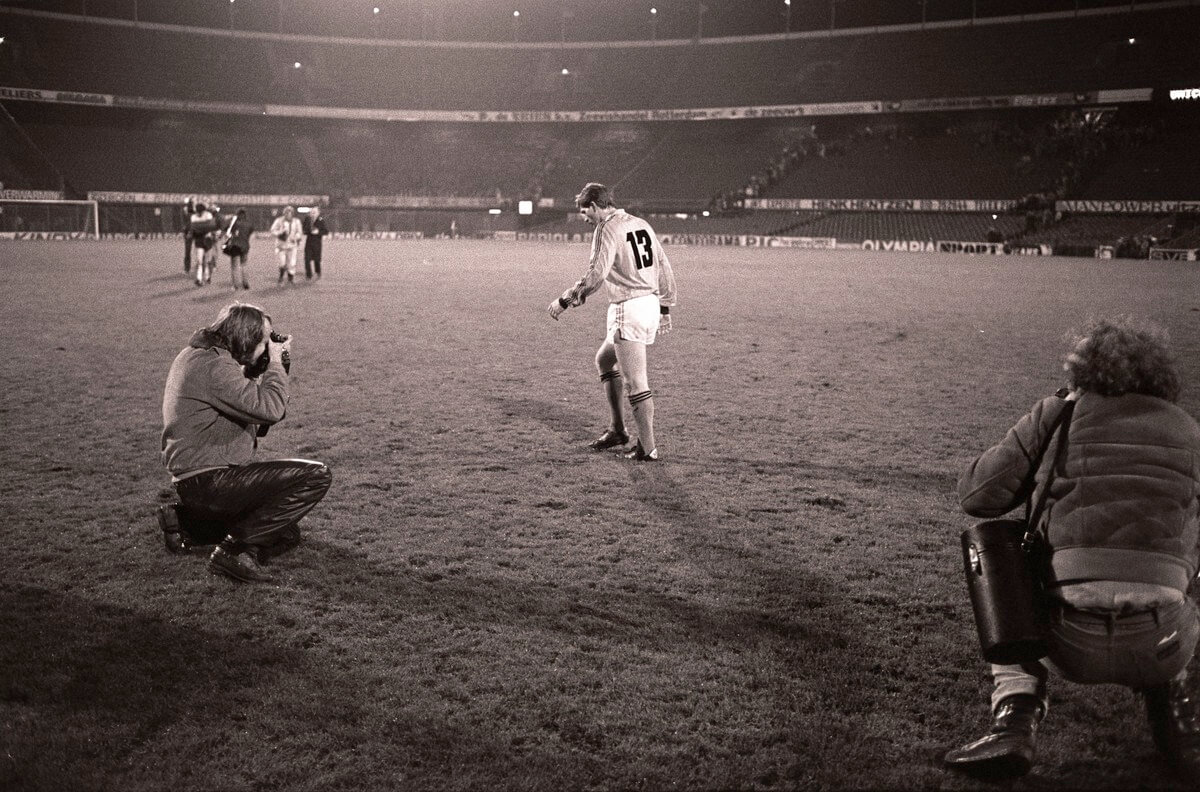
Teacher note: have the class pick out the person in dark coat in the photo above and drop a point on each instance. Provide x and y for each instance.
(314, 230)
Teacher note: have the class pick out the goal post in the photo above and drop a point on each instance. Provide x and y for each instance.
(49, 219)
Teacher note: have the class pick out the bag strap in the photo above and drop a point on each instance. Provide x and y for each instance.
(1034, 513)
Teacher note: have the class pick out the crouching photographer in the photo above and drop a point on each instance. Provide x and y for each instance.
(223, 392)
(1117, 541)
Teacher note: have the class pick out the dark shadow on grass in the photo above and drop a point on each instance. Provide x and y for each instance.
(190, 288)
(636, 618)
(85, 684)
(173, 276)
(702, 539)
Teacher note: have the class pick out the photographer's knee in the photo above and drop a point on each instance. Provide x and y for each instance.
(321, 477)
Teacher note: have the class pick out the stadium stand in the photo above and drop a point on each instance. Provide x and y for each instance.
(663, 166)
(1071, 54)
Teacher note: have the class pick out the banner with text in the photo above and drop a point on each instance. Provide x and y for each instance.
(1173, 254)
(31, 195)
(44, 235)
(223, 199)
(542, 116)
(1127, 207)
(880, 204)
(423, 202)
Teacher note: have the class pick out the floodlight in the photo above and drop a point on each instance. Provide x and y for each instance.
(524, 207)
(516, 13)
(653, 10)
(493, 211)
(375, 10)
(704, 213)
(296, 65)
(566, 70)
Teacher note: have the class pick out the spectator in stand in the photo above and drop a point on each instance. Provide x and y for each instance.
(189, 208)
(314, 230)
(237, 247)
(287, 232)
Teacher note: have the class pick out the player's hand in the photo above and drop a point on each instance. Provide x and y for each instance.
(664, 324)
(555, 310)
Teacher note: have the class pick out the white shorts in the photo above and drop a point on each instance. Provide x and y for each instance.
(634, 320)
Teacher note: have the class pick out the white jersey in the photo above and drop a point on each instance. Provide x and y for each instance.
(627, 256)
(293, 229)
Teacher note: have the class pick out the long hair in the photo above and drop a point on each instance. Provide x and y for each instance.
(594, 193)
(1122, 355)
(240, 327)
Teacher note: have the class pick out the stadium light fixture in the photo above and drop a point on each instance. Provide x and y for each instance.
(705, 213)
(296, 65)
(788, 3)
(566, 71)
(375, 10)
(1132, 40)
(493, 211)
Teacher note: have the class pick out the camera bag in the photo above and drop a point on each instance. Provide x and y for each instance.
(1000, 562)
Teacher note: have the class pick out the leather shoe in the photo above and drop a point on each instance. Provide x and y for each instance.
(243, 566)
(1009, 747)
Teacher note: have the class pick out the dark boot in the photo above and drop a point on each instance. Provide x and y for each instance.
(174, 538)
(1008, 749)
(1174, 717)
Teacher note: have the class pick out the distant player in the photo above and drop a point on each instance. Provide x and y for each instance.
(203, 226)
(288, 233)
(627, 256)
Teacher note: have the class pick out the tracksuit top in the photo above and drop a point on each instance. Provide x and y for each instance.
(627, 256)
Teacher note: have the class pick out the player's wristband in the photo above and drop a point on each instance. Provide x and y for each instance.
(665, 310)
(564, 303)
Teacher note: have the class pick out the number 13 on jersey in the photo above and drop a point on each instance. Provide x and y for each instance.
(643, 253)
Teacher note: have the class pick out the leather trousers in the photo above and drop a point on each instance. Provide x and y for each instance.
(254, 503)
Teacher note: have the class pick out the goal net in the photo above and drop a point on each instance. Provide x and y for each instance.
(49, 219)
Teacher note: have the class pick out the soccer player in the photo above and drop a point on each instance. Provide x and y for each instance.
(287, 232)
(203, 227)
(627, 256)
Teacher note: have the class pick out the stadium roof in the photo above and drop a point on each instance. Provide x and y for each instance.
(555, 20)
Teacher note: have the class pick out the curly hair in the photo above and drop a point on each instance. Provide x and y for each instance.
(1122, 355)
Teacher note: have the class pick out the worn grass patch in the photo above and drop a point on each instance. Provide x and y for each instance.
(484, 603)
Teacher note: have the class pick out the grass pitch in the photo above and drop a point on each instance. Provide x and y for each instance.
(484, 603)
